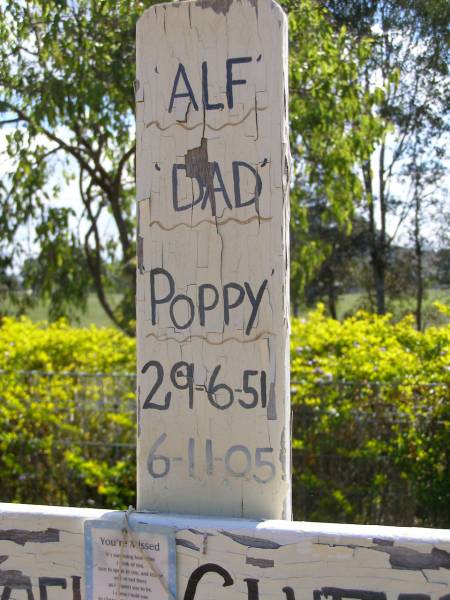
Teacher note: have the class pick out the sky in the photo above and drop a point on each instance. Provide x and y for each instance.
(68, 197)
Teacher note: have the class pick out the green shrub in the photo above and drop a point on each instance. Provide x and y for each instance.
(370, 430)
(68, 430)
(371, 434)
(59, 347)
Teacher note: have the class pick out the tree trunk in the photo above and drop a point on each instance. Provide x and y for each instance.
(419, 264)
(377, 247)
(379, 272)
(332, 296)
(380, 264)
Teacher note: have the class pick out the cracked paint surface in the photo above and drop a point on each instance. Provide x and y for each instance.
(213, 281)
(22, 536)
(259, 560)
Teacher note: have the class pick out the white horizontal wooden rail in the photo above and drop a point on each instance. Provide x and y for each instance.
(42, 556)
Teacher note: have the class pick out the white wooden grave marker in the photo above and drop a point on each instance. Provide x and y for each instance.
(213, 297)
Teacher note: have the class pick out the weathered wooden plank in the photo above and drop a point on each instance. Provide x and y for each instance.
(212, 299)
(259, 560)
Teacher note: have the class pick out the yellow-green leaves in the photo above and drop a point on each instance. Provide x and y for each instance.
(67, 407)
(372, 432)
(334, 127)
(371, 402)
(368, 348)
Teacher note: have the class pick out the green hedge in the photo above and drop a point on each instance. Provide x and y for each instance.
(371, 418)
(371, 434)
(60, 422)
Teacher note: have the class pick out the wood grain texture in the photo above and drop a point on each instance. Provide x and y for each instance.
(212, 299)
(259, 560)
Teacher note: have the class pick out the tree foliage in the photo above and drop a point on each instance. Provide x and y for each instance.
(67, 79)
(372, 399)
(67, 398)
(409, 59)
(66, 75)
(371, 418)
(334, 127)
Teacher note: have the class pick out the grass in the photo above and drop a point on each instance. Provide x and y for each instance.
(347, 304)
(94, 314)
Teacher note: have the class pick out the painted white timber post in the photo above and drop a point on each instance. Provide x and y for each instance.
(213, 264)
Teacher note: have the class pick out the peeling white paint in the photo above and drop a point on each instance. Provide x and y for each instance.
(273, 559)
(213, 284)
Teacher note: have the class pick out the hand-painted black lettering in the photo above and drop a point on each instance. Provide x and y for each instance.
(162, 290)
(263, 380)
(177, 372)
(248, 389)
(202, 306)
(153, 459)
(238, 448)
(341, 594)
(227, 304)
(216, 174)
(182, 378)
(181, 72)
(159, 379)
(289, 593)
(206, 104)
(176, 205)
(196, 576)
(255, 302)
(154, 301)
(45, 582)
(191, 457)
(237, 165)
(15, 580)
(76, 587)
(212, 185)
(191, 311)
(209, 457)
(264, 464)
(214, 387)
(230, 81)
(252, 589)
(6, 594)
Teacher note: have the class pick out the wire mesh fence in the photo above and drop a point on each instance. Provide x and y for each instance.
(362, 451)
